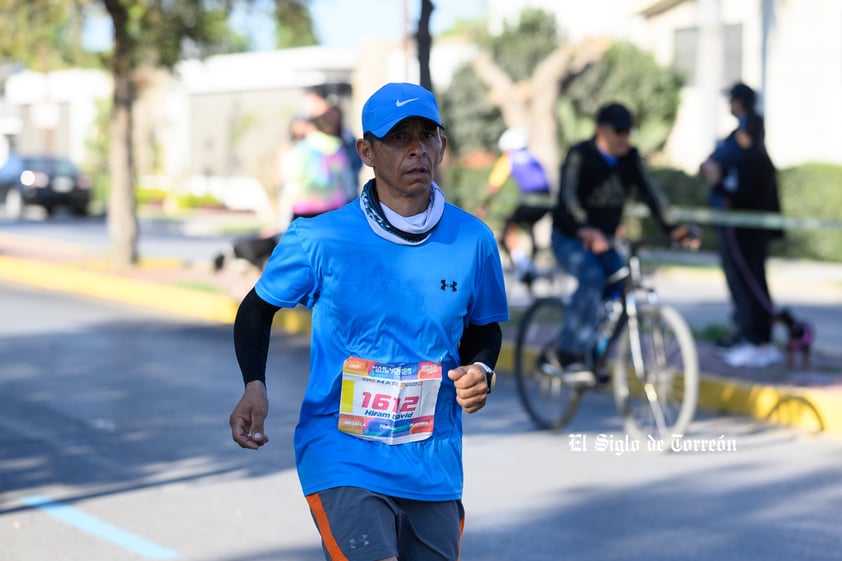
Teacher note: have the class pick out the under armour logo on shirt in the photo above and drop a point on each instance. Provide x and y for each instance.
(445, 285)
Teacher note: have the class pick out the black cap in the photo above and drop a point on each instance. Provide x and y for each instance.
(744, 93)
(616, 115)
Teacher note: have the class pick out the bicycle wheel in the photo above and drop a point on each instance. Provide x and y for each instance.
(659, 399)
(549, 401)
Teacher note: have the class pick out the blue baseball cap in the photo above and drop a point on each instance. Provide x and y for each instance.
(395, 102)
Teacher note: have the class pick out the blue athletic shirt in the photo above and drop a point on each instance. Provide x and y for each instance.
(378, 300)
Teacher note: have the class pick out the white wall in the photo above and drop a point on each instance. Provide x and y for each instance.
(72, 92)
(804, 96)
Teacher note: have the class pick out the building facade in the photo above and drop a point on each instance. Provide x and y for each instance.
(789, 51)
(216, 126)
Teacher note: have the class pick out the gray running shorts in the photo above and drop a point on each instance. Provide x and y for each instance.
(360, 525)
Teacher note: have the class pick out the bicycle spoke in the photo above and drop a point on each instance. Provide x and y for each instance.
(657, 410)
(547, 398)
(656, 393)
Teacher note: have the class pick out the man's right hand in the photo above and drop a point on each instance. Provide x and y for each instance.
(593, 239)
(688, 236)
(711, 171)
(247, 419)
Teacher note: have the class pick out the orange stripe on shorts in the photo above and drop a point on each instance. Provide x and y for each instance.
(322, 523)
(461, 531)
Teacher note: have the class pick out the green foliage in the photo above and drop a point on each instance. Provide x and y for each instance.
(293, 24)
(573, 126)
(43, 34)
(464, 187)
(198, 201)
(473, 123)
(160, 34)
(522, 46)
(474, 29)
(630, 76)
(624, 73)
(812, 191)
(156, 197)
(712, 332)
(808, 191)
(97, 143)
(146, 196)
(681, 190)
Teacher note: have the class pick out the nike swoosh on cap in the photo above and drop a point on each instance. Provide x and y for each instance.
(401, 103)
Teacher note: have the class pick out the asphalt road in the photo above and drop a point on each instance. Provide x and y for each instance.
(114, 446)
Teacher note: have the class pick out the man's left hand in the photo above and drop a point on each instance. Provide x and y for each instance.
(471, 387)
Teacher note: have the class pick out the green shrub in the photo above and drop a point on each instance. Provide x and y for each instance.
(151, 196)
(681, 190)
(812, 191)
(464, 186)
(809, 191)
(148, 196)
(190, 201)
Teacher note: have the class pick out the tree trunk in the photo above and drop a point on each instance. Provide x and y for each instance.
(532, 103)
(424, 44)
(122, 211)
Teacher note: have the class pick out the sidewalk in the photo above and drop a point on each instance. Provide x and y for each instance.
(809, 399)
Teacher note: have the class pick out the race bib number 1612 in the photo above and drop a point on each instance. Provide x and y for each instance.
(390, 403)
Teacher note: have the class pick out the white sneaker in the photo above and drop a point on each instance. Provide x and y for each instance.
(725, 351)
(759, 356)
(765, 355)
(738, 353)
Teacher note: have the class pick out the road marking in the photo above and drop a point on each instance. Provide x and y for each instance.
(103, 530)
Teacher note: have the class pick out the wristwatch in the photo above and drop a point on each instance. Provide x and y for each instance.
(490, 375)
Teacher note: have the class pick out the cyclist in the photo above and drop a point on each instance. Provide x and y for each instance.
(519, 163)
(597, 178)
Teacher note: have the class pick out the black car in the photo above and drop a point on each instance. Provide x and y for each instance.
(47, 181)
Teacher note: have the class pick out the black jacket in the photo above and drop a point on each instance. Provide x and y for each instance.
(593, 193)
(750, 183)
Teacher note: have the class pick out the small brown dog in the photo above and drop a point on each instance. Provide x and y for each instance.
(799, 338)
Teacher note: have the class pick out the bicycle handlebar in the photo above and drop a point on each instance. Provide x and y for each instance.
(688, 241)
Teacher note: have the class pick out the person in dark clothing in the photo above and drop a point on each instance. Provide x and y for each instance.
(748, 183)
(598, 176)
(742, 101)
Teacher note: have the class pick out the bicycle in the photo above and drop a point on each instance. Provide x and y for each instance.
(655, 367)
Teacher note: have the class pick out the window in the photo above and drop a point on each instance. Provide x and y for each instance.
(685, 54)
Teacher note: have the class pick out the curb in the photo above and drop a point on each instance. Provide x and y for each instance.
(808, 409)
(206, 306)
(64, 278)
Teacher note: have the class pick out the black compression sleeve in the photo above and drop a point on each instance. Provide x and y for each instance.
(252, 328)
(481, 343)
